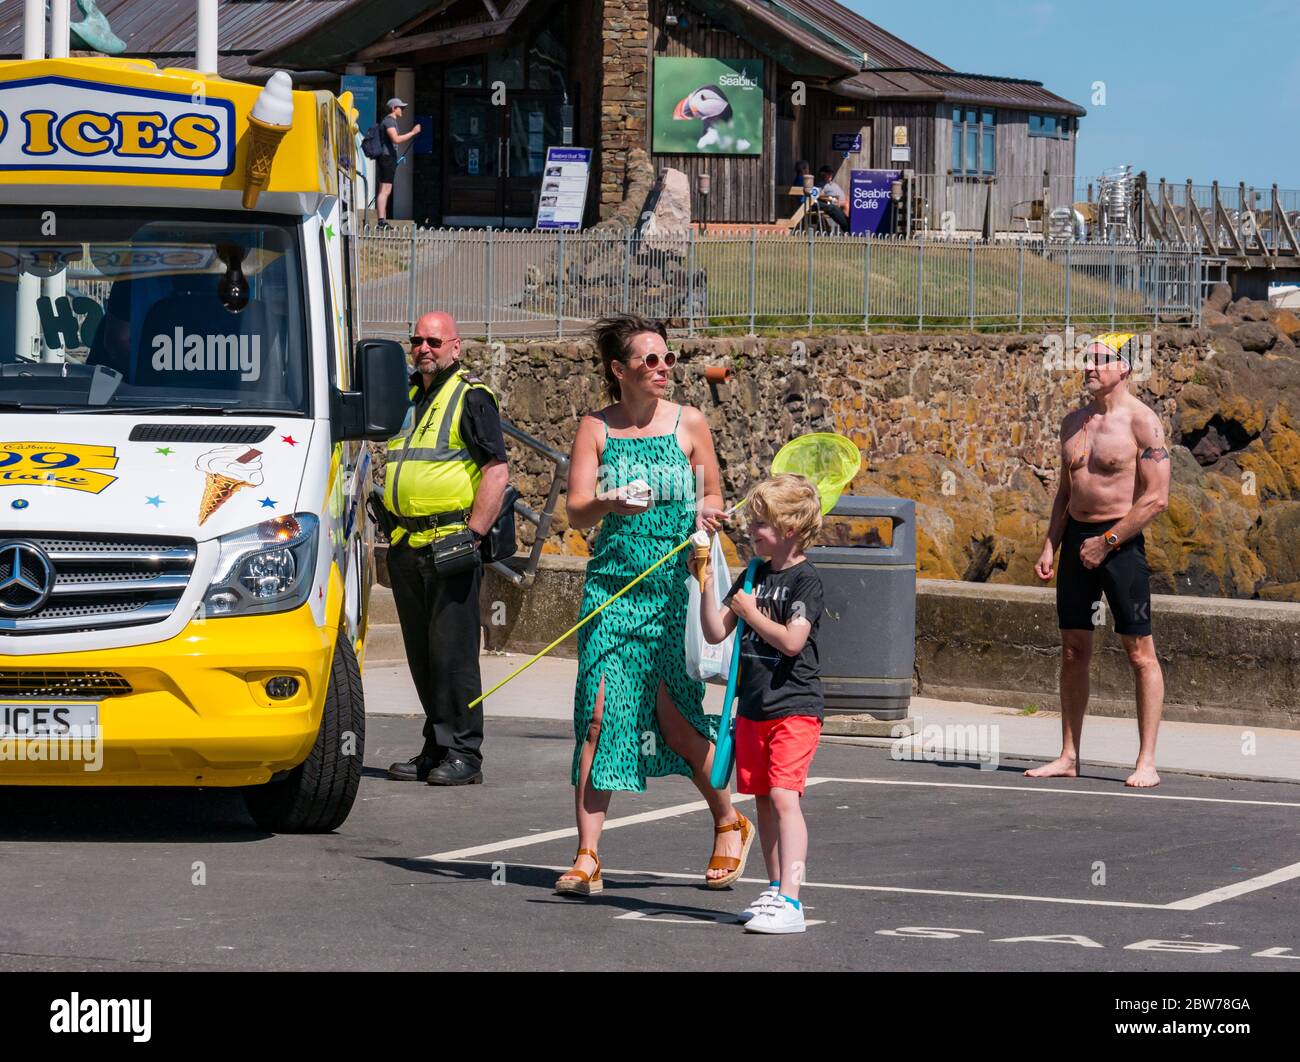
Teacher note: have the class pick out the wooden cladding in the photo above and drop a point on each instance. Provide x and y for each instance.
(742, 188)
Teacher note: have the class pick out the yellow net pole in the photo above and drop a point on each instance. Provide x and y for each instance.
(590, 616)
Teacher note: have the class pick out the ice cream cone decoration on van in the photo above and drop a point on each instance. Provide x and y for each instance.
(227, 470)
(271, 118)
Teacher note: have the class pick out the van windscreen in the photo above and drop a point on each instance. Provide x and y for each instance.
(112, 310)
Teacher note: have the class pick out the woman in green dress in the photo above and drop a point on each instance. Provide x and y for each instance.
(637, 713)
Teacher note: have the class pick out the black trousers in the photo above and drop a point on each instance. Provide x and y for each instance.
(440, 628)
(836, 214)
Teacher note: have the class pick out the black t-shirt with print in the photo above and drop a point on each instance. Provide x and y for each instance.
(772, 685)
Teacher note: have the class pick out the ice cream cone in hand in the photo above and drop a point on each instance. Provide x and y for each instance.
(701, 548)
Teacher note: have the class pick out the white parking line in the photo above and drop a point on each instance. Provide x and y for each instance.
(1240, 888)
(1191, 903)
(849, 888)
(572, 831)
(1126, 793)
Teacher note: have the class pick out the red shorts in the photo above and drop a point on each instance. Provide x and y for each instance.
(775, 753)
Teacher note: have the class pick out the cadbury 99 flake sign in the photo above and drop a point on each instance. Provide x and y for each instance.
(72, 466)
(58, 123)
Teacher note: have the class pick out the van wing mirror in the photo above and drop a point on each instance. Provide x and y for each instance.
(377, 411)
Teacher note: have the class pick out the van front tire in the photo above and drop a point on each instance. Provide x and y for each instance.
(318, 794)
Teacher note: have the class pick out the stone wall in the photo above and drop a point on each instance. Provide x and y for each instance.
(624, 94)
(966, 426)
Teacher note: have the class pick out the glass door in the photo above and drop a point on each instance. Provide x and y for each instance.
(533, 126)
(474, 160)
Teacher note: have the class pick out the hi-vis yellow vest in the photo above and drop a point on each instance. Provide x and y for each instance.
(429, 469)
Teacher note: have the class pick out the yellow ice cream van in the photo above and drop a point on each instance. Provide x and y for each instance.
(185, 553)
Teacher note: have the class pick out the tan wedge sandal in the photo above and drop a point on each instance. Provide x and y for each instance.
(733, 866)
(577, 882)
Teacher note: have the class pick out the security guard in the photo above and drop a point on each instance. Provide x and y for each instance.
(445, 480)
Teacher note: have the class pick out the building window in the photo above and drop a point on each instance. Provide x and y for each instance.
(1052, 126)
(548, 58)
(466, 74)
(974, 142)
(506, 67)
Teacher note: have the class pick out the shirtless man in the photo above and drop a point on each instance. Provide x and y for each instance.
(1114, 481)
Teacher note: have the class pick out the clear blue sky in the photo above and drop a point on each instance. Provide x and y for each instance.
(1201, 89)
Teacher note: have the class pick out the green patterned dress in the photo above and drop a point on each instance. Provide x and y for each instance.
(640, 638)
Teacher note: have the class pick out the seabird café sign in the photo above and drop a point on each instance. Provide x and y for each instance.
(57, 123)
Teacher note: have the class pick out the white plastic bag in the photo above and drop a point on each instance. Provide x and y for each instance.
(705, 662)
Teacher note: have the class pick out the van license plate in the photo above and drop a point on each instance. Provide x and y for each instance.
(37, 720)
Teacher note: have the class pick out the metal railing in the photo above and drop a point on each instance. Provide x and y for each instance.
(1007, 204)
(502, 283)
(1241, 217)
(1241, 222)
(541, 520)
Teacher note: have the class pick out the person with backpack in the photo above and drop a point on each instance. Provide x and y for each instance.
(380, 143)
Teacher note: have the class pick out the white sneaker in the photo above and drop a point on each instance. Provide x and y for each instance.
(764, 898)
(777, 917)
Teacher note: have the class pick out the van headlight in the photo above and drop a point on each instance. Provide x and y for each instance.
(265, 568)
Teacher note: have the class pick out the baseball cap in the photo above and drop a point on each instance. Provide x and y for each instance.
(395, 102)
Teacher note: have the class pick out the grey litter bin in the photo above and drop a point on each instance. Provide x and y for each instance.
(867, 637)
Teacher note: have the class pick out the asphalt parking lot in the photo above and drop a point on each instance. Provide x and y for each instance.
(913, 866)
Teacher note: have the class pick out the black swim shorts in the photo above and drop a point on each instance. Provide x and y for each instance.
(1123, 576)
(386, 169)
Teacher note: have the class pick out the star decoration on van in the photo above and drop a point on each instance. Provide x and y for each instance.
(289, 439)
(329, 232)
(155, 501)
(269, 503)
(166, 451)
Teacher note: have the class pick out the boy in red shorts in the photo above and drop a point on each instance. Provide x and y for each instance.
(780, 705)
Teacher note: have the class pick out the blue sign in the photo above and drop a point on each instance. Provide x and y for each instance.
(424, 142)
(847, 143)
(364, 92)
(870, 206)
(563, 198)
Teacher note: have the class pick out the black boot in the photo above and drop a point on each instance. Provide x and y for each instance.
(455, 771)
(416, 769)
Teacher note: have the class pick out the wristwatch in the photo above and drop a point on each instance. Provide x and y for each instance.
(1112, 540)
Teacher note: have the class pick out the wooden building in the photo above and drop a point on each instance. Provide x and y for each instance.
(496, 79)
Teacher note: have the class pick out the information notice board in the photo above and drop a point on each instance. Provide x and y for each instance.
(563, 199)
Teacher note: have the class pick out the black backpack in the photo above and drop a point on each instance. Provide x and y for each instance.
(372, 144)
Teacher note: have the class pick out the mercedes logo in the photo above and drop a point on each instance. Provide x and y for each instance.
(26, 578)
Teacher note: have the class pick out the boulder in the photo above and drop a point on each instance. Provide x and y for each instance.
(1219, 298)
(1286, 322)
(1251, 309)
(1277, 542)
(670, 222)
(1256, 336)
(1199, 545)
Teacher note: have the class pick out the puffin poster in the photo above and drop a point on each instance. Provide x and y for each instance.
(708, 106)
